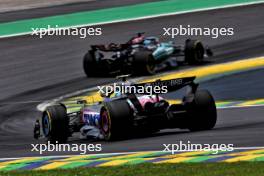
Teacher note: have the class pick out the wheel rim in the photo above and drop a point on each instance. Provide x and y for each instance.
(46, 125)
(105, 122)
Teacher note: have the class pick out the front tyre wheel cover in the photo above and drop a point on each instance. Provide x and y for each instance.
(105, 123)
(46, 124)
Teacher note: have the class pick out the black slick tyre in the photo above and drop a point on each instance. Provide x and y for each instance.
(144, 63)
(55, 124)
(89, 64)
(202, 113)
(194, 52)
(116, 119)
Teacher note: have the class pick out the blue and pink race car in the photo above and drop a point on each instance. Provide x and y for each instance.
(121, 115)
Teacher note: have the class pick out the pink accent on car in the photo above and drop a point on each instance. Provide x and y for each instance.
(137, 40)
(147, 98)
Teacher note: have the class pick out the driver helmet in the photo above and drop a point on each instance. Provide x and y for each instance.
(151, 41)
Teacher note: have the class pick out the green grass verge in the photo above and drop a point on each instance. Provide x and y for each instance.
(182, 169)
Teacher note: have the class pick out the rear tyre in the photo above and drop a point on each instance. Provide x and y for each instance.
(144, 63)
(55, 124)
(202, 111)
(116, 118)
(194, 52)
(89, 64)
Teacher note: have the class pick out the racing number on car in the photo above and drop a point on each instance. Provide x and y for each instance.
(92, 119)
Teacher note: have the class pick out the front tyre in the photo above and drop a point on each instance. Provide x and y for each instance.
(55, 124)
(194, 52)
(202, 111)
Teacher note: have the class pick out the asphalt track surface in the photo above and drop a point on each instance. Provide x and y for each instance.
(33, 70)
(67, 8)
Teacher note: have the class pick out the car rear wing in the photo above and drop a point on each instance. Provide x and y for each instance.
(111, 47)
(172, 84)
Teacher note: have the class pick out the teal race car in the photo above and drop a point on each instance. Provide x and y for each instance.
(142, 56)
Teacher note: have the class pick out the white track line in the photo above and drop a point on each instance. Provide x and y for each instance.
(147, 17)
(123, 153)
(243, 106)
